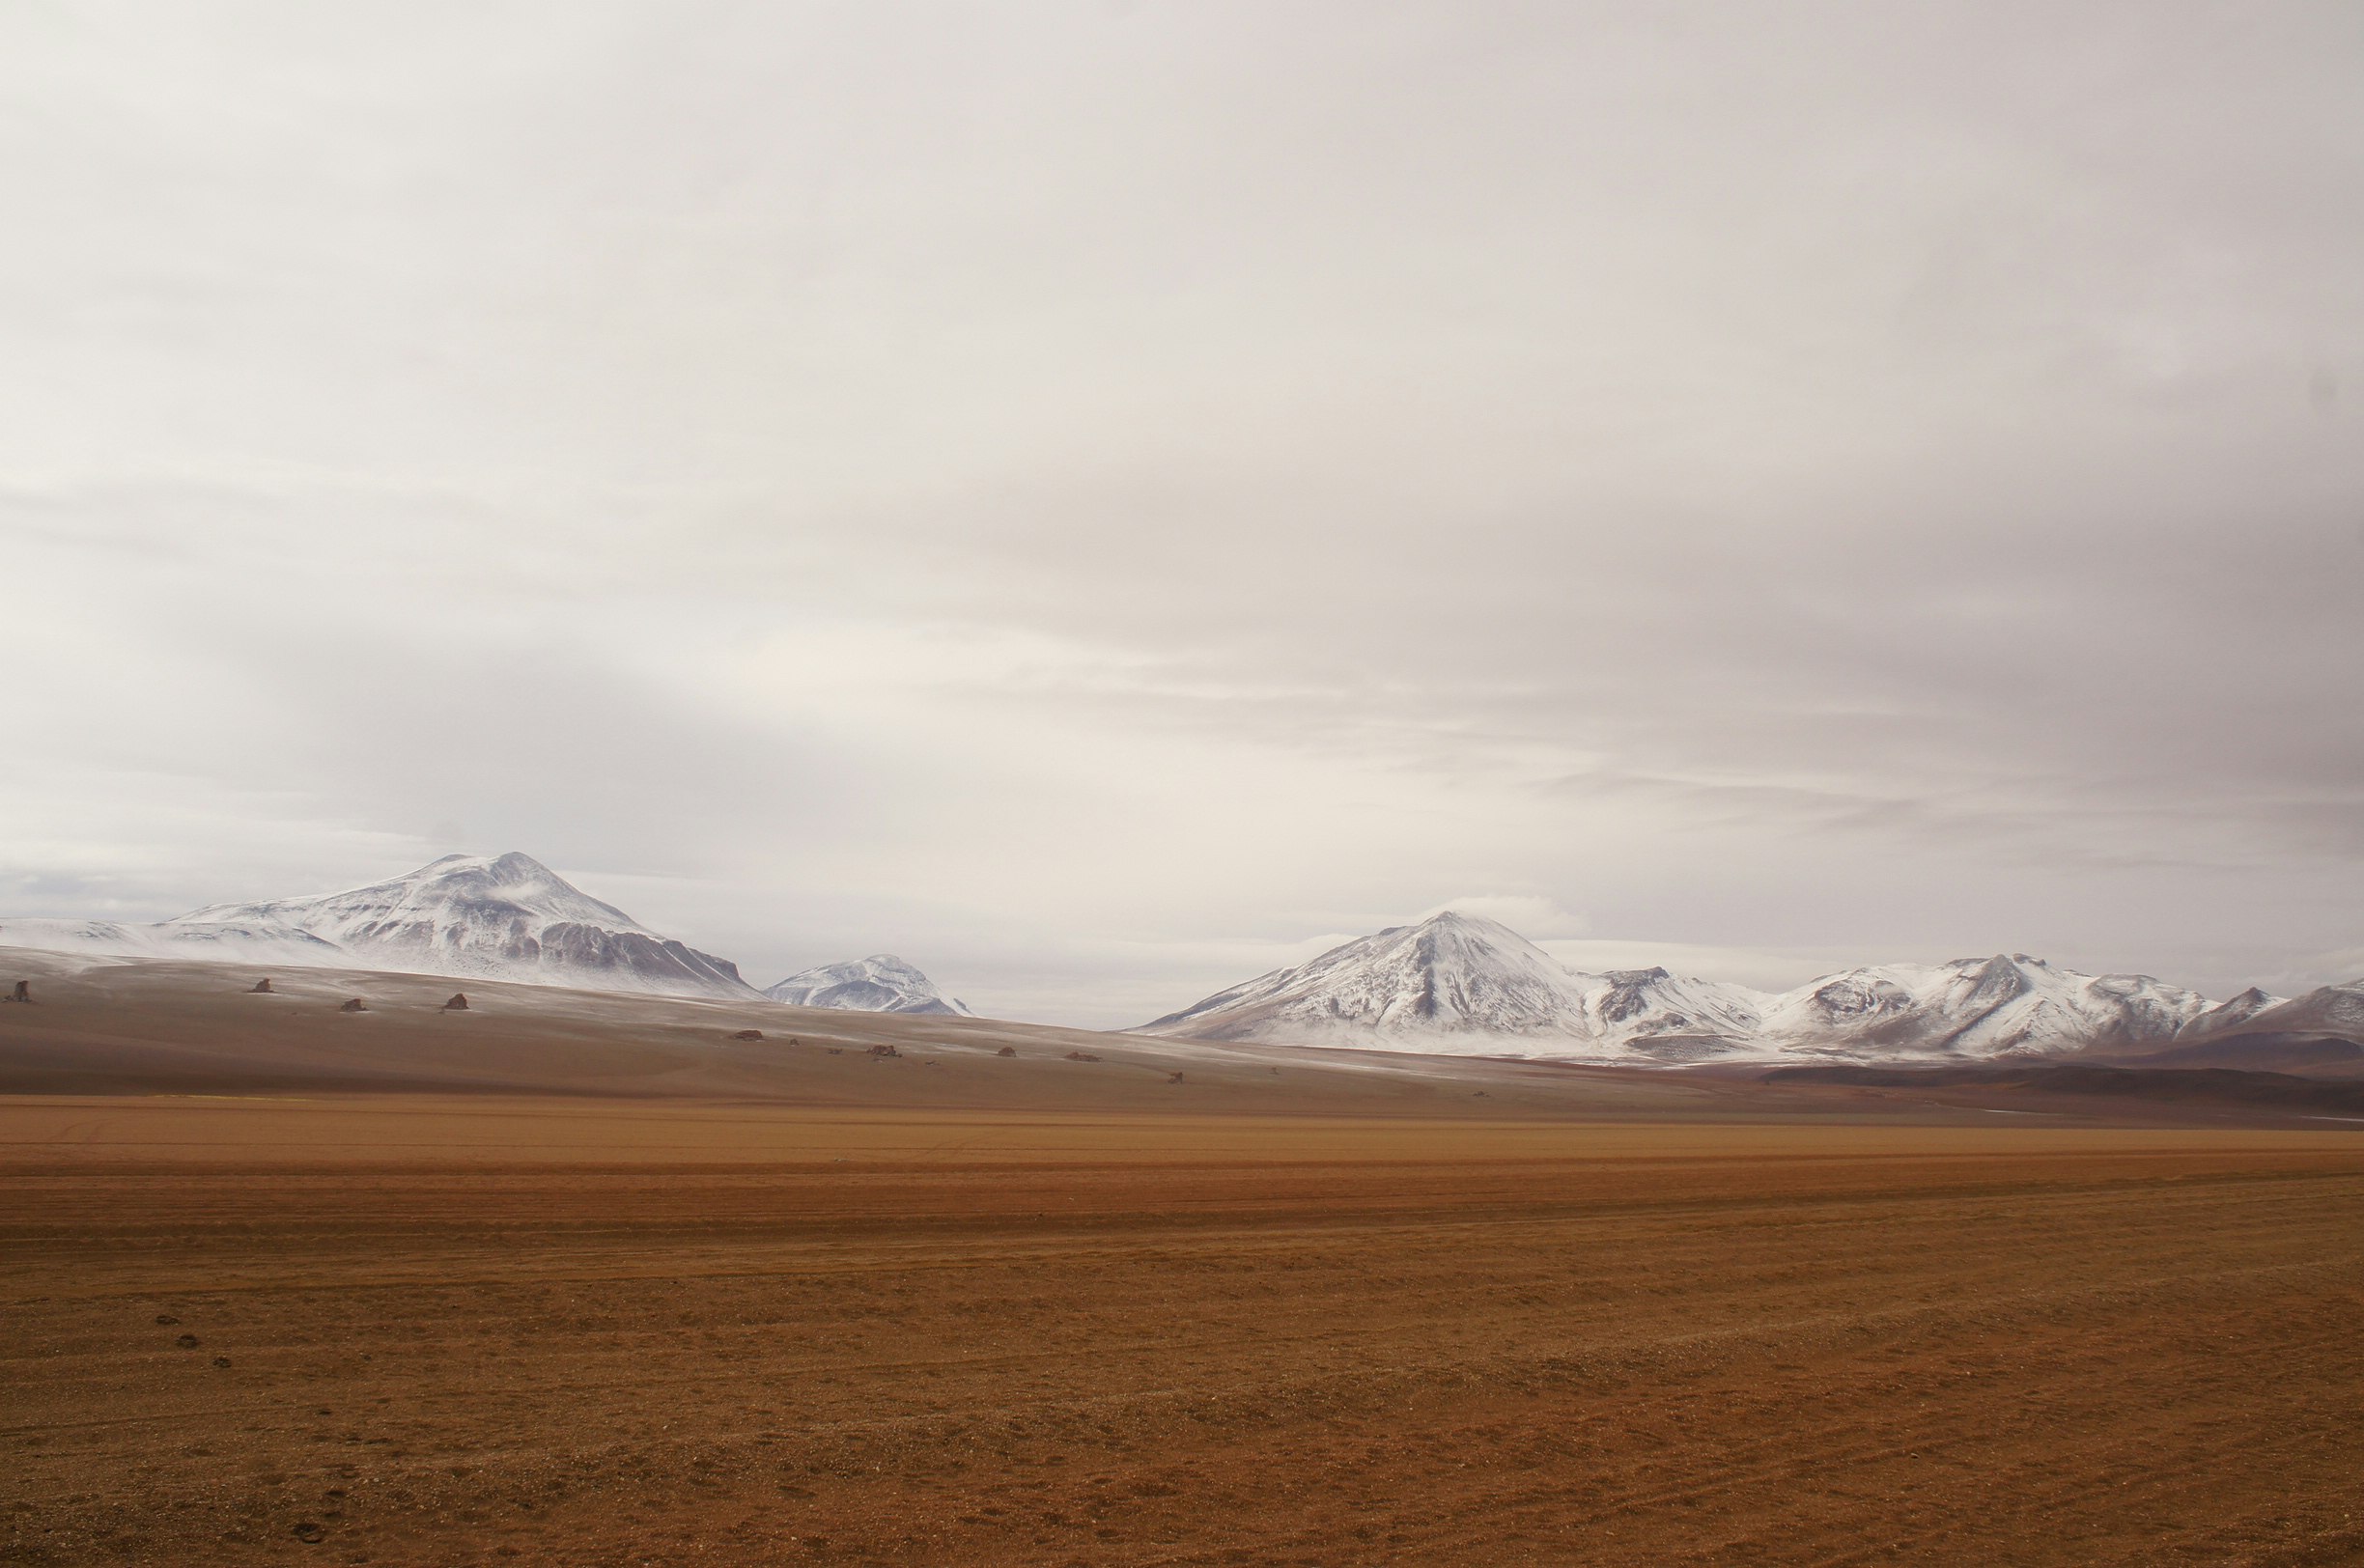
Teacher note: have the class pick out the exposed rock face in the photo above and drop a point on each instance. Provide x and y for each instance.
(1668, 1017)
(262, 987)
(354, 1006)
(458, 1004)
(23, 991)
(748, 1034)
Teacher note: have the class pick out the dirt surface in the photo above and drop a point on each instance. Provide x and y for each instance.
(430, 1331)
(104, 1026)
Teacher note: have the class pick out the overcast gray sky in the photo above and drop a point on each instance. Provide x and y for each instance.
(1098, 498)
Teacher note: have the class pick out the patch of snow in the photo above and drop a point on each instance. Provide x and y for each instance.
(881, 983)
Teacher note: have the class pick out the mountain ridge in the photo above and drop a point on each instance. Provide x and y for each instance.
(505, 918)
(1454, 982)
(1372, 992)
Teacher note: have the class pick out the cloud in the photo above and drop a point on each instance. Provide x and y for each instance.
(1095, 502)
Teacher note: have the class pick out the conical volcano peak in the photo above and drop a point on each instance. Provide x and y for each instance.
(1456, 981)
(1459, 930)
(1463, 920)
(1450, 972)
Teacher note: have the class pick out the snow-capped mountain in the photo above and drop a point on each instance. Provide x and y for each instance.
(2007, 1004)
(881, 983)
(2232, 1013)
(2330, 1012)
(1668, 1017)
(502, 918)
(1450, 975)
(1462, 985)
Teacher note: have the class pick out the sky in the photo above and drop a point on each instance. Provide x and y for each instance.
(1106, 499)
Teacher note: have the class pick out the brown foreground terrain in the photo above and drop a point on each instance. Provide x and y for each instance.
(443, 1329)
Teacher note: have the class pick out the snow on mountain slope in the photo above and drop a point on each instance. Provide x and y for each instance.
(1450, 975)
(2233, 1012)
(505, 918)
(1465, 984)
(2007, 1004)
(1462, 985)
(184, 939)
(881, 983)
(2327, 1011)
(1663, 1016)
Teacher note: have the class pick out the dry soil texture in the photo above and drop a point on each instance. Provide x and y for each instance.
(438, 1332)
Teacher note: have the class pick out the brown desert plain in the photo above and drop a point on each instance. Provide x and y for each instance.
(582, 1280)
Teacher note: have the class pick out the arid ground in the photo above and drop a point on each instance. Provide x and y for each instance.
(444, 1329)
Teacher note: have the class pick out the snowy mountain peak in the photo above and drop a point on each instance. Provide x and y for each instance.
(1452, 973)
(502, 917)
(1449, 918)
(478, 887)
(1462, 982)
(2009, 1004)
(2327, 1010)
(881, 983)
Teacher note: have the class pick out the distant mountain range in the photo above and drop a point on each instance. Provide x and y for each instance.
(1461, 984)
(881, 983)
(1454, 983)
(494, 918)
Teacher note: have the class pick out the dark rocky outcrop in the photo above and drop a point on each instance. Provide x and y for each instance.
(458, 1004)
(354, 1006)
